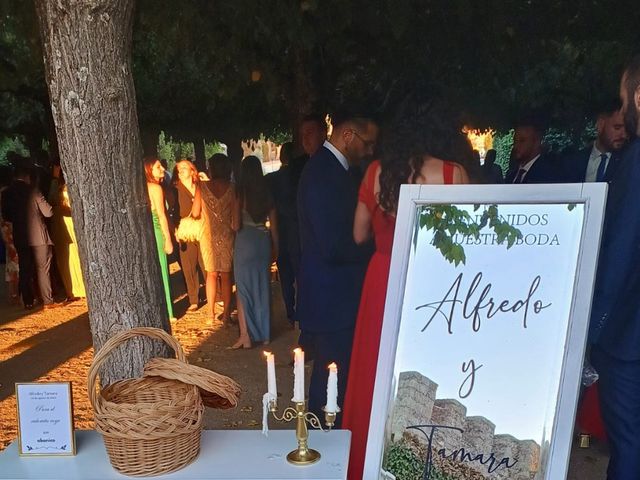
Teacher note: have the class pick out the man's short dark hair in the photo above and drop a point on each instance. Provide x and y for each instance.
(360, 119)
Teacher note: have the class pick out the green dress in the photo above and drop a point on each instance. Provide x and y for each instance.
(164, 266)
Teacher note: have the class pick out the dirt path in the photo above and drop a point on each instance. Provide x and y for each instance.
(55, 345)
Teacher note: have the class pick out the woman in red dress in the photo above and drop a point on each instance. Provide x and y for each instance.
(420, 159)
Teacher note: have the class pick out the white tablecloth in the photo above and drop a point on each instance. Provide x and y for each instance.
(224, 455)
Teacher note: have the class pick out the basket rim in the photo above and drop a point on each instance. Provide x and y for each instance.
(204, 379)
(115, 341)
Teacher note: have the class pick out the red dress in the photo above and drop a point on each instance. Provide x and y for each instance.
(364, 356)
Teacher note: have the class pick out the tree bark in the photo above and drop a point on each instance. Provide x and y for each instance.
(149, 137)
(200, 157)
(87, 53)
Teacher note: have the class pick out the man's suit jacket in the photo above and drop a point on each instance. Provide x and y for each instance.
(546, 169)
(575, 166)
(25, 207)
(332, 266)
(282, 191)
(615, 313)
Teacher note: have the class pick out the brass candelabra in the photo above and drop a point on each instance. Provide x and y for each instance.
(303, 455)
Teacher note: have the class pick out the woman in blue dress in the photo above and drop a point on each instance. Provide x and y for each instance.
(255, 248)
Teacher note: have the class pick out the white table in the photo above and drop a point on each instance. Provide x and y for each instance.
(224, 455)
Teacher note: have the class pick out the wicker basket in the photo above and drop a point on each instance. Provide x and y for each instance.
(150, 425)
(216, 391)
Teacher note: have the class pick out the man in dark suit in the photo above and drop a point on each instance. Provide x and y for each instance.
(598, 162)
(615, 315)
(332, 265)
(282, 191)
(312, 134)
(26, 208)
(528, 162)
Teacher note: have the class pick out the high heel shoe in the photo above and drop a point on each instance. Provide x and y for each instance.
(241, 343)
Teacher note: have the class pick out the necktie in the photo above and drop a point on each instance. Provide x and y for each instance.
(602, 168)
(520, 175)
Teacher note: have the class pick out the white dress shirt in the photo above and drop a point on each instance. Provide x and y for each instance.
(594, 163)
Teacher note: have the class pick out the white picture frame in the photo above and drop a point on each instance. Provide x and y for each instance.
(45, 419)
(590, 201)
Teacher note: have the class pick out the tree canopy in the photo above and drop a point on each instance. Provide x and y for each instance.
(235, 68)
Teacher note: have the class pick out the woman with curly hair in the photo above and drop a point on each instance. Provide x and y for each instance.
(426, 149)
(192, 250)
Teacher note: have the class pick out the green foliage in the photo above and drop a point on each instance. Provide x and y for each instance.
(280, 136)
(556, 140)
(212, 148)
(447, 221)
(228, 69)
(23, 92)
(171, 151)
(8, 144)
(502, 144)
(403, 463)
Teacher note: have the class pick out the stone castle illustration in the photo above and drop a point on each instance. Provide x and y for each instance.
(416, 404)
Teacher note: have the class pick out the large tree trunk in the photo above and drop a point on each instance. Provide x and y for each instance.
(149, 137)
(87, 53)
(200, 157)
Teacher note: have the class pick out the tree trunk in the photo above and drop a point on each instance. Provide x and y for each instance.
(149, 137)
(87, 53)
(200, 157)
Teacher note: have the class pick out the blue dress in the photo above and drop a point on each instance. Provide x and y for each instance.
(251, 260)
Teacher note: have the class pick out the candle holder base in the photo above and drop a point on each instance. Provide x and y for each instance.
(303, 457)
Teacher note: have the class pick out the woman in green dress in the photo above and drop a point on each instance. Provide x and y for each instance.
(155, 173)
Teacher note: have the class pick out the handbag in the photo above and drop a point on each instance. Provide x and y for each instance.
(190, 229)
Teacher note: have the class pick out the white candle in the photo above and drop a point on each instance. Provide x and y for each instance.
(271, 374)
(298, 376)
(332, 389)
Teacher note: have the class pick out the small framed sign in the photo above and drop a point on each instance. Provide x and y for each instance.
(45, 419)
(484, 331)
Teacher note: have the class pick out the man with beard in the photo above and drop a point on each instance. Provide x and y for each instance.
(529, 163)
(332, 265)
(615, 316)
(599, 162)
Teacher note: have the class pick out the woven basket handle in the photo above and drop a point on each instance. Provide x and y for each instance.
(114, 342)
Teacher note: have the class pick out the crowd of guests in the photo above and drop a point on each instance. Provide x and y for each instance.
(346, 201)
(327, 217)
(225, 229)
(41, 251)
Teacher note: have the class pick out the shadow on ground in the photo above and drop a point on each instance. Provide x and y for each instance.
(205, 342)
